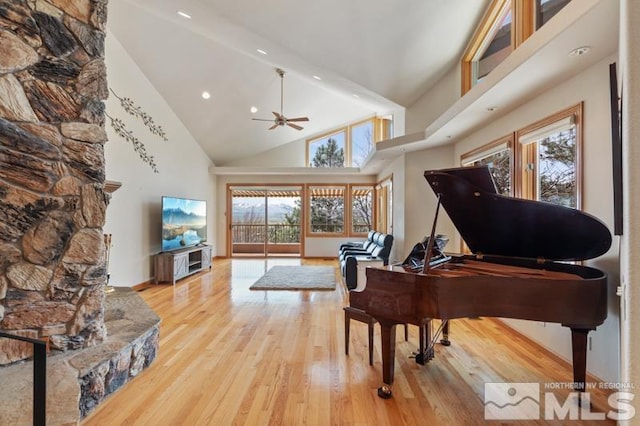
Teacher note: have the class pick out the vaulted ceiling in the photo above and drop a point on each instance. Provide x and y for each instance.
(371, 57)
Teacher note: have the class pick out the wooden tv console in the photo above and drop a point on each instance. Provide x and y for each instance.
(170, 266)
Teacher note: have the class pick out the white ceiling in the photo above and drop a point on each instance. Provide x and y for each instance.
(388, 53)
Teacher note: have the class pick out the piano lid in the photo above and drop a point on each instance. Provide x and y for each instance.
(494, 224)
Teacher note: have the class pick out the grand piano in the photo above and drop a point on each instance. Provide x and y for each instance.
(518, 269)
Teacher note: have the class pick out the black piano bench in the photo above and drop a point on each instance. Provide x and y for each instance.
(360, 315)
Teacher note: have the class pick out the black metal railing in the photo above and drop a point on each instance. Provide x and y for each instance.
(39, 377)
(276, 234)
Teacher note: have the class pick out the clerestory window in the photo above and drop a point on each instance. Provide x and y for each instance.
(348, 146)
(505, 25)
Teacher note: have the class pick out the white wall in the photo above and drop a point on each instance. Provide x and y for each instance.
(592, 87)
(313, 247)
(133, 215)
(420, 201)
(288, 155)
(434, 102)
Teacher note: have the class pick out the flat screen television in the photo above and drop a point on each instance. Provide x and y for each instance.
(184, 222)
(616, 151)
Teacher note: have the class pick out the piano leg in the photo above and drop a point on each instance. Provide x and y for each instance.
(579, 348)
(388, 334)
(445, 334)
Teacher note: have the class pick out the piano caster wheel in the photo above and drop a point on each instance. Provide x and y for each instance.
(445, 342)
(384, 392)
(420, 358)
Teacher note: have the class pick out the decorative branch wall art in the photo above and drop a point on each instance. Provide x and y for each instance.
(121, 130)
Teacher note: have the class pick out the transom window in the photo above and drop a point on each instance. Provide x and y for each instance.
(496, 47)
(546, 9)
(348, 146)
(505, 25)
(328, 151)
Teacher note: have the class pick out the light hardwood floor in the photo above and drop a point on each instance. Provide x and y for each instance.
(229, 355)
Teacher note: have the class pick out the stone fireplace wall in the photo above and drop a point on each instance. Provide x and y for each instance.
(52, 173)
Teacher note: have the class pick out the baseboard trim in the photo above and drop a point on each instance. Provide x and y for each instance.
(143, 285)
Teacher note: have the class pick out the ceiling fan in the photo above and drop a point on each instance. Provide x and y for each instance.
(280, 119)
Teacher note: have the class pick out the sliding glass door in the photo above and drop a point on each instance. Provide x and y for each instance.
(265, 220)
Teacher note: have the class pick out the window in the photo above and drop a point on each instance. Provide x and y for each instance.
(349, 146)
(361, 142)
(361, 209)
(549, 168)
(384, 205)
(505, 25)
(326, 209)
(495, 49)
(498, 155)
(327, 151)
(546, 9)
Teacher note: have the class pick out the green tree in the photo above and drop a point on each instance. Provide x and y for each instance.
(329, 155)
(292, 220)
(327, 213)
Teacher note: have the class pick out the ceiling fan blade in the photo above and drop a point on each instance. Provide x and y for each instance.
(263, 119)
(295, 126)
(299, 119)
(280, 119)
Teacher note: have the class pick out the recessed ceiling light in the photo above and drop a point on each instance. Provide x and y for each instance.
(261, 51)
(580, 51)
(316, 77)
(206, 95)
(184, 15)
(356, 96)
(253, 110)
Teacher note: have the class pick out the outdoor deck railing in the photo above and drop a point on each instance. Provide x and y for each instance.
(277, 233)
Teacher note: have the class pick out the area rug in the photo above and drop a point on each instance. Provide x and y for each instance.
(281, 277)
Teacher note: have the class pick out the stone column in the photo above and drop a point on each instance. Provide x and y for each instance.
(52, 201)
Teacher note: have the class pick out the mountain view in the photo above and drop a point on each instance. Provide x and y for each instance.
(249, 213)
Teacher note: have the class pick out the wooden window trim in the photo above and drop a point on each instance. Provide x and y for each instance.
(346, 218)
(380, 127)
(373, 207)
(522, 26)
(327, 135)
(522, 181)
(384, 220)
(475, 154)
